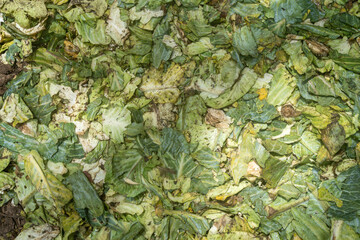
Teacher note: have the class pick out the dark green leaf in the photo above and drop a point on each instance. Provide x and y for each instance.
(40, 106)
(85, 195)
(244, 42)
(309, 227)
(199, 224)
(294, 11)
(160, 53)
(350, 195)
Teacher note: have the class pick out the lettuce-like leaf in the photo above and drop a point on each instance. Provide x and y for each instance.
(300, 62)
(24, 11)
(163, 88)
(309, 227)
(239, 162)
(317, 30)
(333, 136)
(116, 28)
(342, 231)
(349, 184)
(115, 121)
(294, 11)
(41, 106)
(85, 196)
(282, 86)
(246, 10)
(274, 170)
(203, 45)
(205, 179)
(66, 143)
(345, 22)
(198, 224)
(93, 34)
(6, 181)
(244, 42)
(255, 110)
(14, 110)
(277, 147)
(240, 88)
(207, 158)
(46, 183)
(16, 141)
(176, 153)
(44, 231)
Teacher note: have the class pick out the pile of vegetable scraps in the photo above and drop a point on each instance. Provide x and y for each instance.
(179, 119)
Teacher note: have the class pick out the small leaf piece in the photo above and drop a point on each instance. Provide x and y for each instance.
(274, 170)
(198, 224)
(115, 121)
(333, 137)
(325, 195)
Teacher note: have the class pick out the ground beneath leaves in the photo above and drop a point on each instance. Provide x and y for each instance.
(11, 221)
(7, 73)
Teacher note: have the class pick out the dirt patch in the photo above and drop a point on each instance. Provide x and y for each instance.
(7, 73)
(11, 221)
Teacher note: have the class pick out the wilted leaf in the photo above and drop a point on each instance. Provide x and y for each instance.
(176, 153)
(333, 137)
(207, 158)
(115, 121)
(240, 88)
(163, 87)
(349, 195)
(6, 181)
(116, 28)
(198, 224)
(244, 42)
(281, 87)
(227, 190)
(317, 30)
(92, 34)
(14, 110)
(309, 227)
(40, 106)
(342, 231)
(85, 196)
(46, 183)
(293, 12)
(44, 231)
(325, 195)
(278, 147)
(274, 170)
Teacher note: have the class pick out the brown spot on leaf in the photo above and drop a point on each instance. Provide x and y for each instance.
(271, 211)
(333, 137)
(317, 48)
(233, 200)
(222, 223)
(349, 4)
(289, 111)
(71, 49)
(164, 171)
(88, 176)
(217, 118)
(222, 6)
